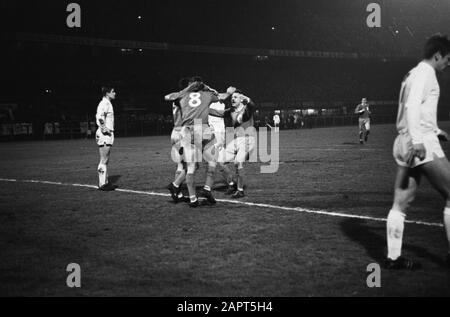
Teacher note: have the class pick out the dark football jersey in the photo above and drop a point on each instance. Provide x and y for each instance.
(195, 105)
(177, 119)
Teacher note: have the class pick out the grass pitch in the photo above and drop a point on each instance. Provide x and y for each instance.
(135, 244)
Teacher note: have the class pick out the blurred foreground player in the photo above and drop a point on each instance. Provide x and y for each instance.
(417, 150)
(364, 120)
(105, 135)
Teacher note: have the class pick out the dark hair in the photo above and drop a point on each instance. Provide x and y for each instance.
(195, 78)
(436, 44)
(106, 89)
(184, 82)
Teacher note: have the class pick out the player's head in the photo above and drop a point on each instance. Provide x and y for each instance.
(194, 79)
(108, 92)
(198, 83)
(236, 98)
(437, 51)
(364, 101)
(183, 82)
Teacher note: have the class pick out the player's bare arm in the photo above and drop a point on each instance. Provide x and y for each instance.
(177, 95)
(225, 95)
(172, 96)
(103, 127)
(218, 113)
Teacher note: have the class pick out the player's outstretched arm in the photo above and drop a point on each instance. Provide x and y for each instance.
(172, 96)
(225, 95)
(177, 95)
(219, 113)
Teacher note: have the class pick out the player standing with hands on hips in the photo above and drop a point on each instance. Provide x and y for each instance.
(105, 135)
(417, 150)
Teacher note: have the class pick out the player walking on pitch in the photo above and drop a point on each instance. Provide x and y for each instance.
(105, 135)
(417, 150)
(364, 120)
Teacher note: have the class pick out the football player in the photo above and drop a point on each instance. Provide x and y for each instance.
(105, 135)
(364, 120)
(417, 150)
(176, 137)
(239, 149)
(197, 137)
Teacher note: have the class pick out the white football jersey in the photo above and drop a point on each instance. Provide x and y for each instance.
(218, 124)
(419, 96)
(276, 119)
(105, 111)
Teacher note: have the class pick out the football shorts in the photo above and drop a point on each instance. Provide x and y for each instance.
(104, 139)
(403, 150)
(238, 150)
(194, 142)
(176, 136)
(218, 129)
(364, 124)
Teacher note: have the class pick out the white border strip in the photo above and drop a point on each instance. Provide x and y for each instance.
(236, 202)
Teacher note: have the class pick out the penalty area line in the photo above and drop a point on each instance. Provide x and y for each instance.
(236, 202)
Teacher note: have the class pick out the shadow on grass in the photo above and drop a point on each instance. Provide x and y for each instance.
(114, 179)
(373, 239)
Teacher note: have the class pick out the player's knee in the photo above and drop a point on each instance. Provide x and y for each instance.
(191, 167)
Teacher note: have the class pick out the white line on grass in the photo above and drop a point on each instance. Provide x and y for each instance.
(236, 202)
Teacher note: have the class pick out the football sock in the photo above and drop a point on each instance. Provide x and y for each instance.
(394, 228)
(227, 174)
(180, 179)
(210, 177)
(241, 176)
(177, 173)
(447, 223)
(190, 185)
(101, 174)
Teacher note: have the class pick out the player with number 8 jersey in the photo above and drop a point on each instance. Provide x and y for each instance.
(197, 137)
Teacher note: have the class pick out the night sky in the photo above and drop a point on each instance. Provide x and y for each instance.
(250, 23)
